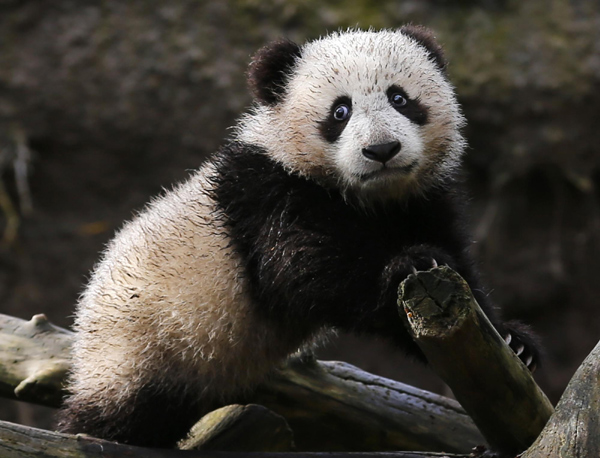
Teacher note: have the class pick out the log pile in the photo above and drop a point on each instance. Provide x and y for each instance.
(317, 407)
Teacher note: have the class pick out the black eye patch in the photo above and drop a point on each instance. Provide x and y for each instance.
(339, 114)
(413, 109)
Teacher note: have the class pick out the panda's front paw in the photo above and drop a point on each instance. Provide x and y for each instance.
(521, 340)
(414, 259)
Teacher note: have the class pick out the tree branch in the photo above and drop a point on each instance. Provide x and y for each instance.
(18, 441)
(574, 429)
(465, 350)
(247, 428)
(336, 406)
(34, 359)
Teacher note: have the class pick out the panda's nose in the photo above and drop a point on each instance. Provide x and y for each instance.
(382, 153)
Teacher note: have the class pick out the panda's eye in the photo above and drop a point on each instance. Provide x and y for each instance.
(398, 100)
(341, 112)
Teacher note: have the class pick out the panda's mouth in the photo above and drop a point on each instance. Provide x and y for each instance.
(387, 171)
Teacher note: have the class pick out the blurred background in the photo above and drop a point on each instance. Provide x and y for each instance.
(103, 104)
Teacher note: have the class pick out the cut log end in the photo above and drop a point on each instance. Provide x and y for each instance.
(430, 300)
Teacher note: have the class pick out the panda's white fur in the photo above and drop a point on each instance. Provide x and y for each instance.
(365, 64)
(171, 303)
(168, 301)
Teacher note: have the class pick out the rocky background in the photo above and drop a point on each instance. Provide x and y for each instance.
(102, 104)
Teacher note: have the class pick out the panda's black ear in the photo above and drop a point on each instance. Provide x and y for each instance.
(425, 37)
(269, 70)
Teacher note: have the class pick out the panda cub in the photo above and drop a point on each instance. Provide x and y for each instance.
(336, 185)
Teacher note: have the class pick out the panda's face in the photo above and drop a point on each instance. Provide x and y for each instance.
(367, 111)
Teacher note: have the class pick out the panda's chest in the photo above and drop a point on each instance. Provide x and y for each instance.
(268, 210)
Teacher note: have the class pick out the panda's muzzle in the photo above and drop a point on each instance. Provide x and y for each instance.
(382, 152)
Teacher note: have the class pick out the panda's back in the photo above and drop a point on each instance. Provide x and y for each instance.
(169, 298)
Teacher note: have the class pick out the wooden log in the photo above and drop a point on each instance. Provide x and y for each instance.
(574, 429)
(464, 349)
(248, 428)
(34, 359)
(17, 441)
(335, 406)
(329, 405)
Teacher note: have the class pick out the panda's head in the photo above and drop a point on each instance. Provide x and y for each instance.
(369, 112)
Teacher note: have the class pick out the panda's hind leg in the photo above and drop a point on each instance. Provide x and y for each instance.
(153, 416)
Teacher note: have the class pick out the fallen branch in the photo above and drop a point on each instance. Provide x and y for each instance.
(335, 406)
(18, 441)
(465, 350)
(34, 360)
(248, 428)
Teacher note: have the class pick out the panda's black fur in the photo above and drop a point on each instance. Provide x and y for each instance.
(291, 249)
(330, 262)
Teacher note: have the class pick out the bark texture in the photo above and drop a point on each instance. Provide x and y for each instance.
(574, 429)
(24, 442)
(249, 428)
(34, 359)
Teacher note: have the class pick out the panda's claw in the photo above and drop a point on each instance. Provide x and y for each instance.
(414, 270)
(522, 342)
(519, 349)
(434, 263)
